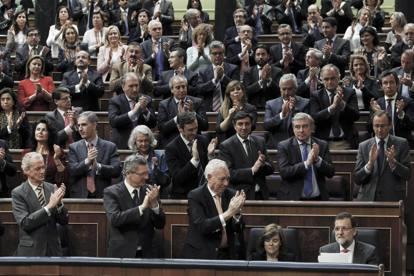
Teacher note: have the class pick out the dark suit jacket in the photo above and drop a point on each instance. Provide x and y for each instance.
(234, 49)
(340, 54)
(7, 168)
(364, 253)
(6, 82)
(183, 173)
(324, 120)
(298, 51)
(56, 120)
(396, 52)
(241, 177)
(281, 129)
(229, 35)
(258, 94)
(162, 88)
(38, 235)
(400, 72)
(167, 110)
(344, 20)
(22, 56)
(369, 91)
(127, 228)
(116, 19)
(293, 171)
(135, 35)
(402, 127)
(121, 68)
(205, 230)
(110, 167)
(167, 14)
(147, 50)
(387, 185)
(88, 97)
(121, 123)
(206, 87)
(283, 18)
(303, 88)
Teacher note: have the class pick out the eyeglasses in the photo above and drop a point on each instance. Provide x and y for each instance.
(344, 229)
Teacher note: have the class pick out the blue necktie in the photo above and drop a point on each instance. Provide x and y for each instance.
(159, 61)
(307, 188)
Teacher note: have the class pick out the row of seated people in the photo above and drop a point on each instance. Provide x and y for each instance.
(303, 169)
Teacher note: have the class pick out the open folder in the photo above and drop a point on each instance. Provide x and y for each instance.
(335, 258)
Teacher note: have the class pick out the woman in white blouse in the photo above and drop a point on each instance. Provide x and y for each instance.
(16, 35)
(199, 53)
(54, 39)
(112, 52)
(95, 37)
(363, 19)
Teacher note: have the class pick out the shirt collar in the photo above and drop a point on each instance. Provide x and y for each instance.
(241, 139)
(94, 141)
(350, 248)
(390, 98)
(213, 194)
(184, 140)
(377, 140)
(32, 185)
(307, 142)
(130, 188)
(61, 112)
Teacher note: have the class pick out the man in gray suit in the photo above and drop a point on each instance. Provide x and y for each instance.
(93, 161)
(383, 166)
(280, 111)
(133, 210)
(345, 232)
(37, 207)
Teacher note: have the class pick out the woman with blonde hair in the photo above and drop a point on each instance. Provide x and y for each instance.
(111, 52)
(199, 53)
(235, 100)
(363, 18)
(70, 46)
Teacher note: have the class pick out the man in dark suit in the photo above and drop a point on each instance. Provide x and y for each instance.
(7, 168)
(405, 73)
(85, 84)
(245, 155)
(161, 11)
(341, 11)
(335, 49)
(156, 49)
(29, 49)
(345, 233)
(192, 19)
(179, 102)
(213, 79)
(262, 80)
(304, 162)
(231, 34)
(37, 208)
(127, 110)
(133, 210)
(288, 55)
(134, 62)
(214, 217)
(178, 67)
(122, 17)
(383, 163)
(313, 26)
(280, 111)
(63, 118)
(187, 156)
(308, 78)
(5, 74)
(335, 109)
(93, 161)
(241, 53)
(261, 16)
(399, 108)
(404, 44)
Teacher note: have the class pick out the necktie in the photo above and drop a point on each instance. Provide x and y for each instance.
(159, 61)
(329, 42)
(217, 98)
(125, 19)
(307, 187)
(40, 196)
(90, 178)
(389, 111)
(259, 26)
(217, 202)
(336, 130)
(344, 250)
(313, 86)
(381, 156)
(132, 104)
(135, 198)
(90, 15)
(292, 18)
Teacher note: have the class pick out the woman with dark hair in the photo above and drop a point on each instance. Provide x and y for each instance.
(142, 142)
(95, 37)
(269, 246)
(44, 138)
(196, 4)
(365, 87)
(363, 18)
(55, 40)
(14, 126)
(6, 15)
(67, 53)
(235, 99)
(140, 32)
(35, 91)
(375, 54)
(199, 54)
(16, 35)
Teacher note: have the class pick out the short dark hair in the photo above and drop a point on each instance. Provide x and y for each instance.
(372, 31)
(57, 94)
(32, 29)
(381, 113)
(331, 21)
(388, 73)
(262, 46)
(346, 215)
(241, 115)
(186, 118)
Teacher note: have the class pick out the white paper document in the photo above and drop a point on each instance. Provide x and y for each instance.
(335, 258)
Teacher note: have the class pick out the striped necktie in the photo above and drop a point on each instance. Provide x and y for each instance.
(40, 195)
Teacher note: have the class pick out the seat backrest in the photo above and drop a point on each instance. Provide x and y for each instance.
(290, 245)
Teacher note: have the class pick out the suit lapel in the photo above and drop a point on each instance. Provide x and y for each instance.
(125, 196)
(297, 151)
(183, 148)
(59, 119)
(100, 150)
(32, 197)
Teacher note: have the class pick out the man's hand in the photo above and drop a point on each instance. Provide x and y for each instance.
(194, 151)
(373, 155)
(188, 105)
(285, 109)
(261, 159)
(212, 146)
(400, 106)
(56, 196)
(390, 153)
(58, 152)
(151, 197)
(218, 73)
(236, 204)
(266, 72)
(374, 105)
(92, 154)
